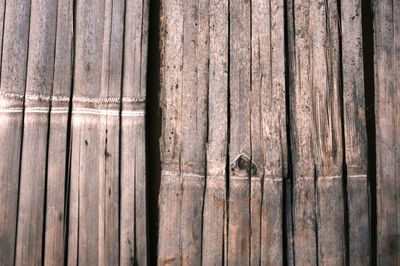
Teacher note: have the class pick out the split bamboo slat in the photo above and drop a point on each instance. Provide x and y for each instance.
(12, 88)
(387, 103)
(355, 134)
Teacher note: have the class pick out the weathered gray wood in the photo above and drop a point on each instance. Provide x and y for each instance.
(304, 217)
(170, 197)
(133, 231)
(57, 162)
(269, 148)
(34, 149)
(316, 133)
(194, 126)
(12, 88)
(214, 216)
(387, 102)
(241, 167)
(355, 133)
(85, 195)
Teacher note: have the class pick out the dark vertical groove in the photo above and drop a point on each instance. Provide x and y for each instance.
(228, 128)
(67, 203)
(287, 204)
(120, 134)
(369, 74)
(346, 224)
(153, 128)
(250, 131)
(48, 145)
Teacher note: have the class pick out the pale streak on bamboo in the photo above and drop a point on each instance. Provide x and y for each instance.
(133, 231)
(57, 164)
(269, 148)
(387, 102)
(85, 214)
(194, 126)
(13, 78)
(241, 167)
(214, 216)
(356, 145)
(34, 149)
(170, 197)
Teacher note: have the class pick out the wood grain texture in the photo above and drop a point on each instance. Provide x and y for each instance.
(170, 197)
(387, 102)
(12, 88)
(214, 217)
(58, 142)
(34, 149)
(356, 146)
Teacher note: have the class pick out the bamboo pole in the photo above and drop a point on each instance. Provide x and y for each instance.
(356, 146)
(387, 102)
(316, 133)
(32, 189)
(268, 134)
(215, 215)
(12, 90)
(58, 141)
(133, 231)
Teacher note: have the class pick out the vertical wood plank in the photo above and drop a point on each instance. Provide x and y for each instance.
(12, 89)
(170, 197)
(387, 102)
(58, 146)
(355, 133)
(214, 216)
(241, 166)
(133, 232)
(85, 130)
(34, 149)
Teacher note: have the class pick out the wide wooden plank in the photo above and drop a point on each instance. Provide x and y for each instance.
(241, 166)
(268, 110)
(58, 143)
(214, 216)
(170, 197)
(32, 190)
(12, 88)
(356, 146)
(85, 219)
(387, 102)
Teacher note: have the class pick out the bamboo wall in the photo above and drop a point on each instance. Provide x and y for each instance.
(199, 132)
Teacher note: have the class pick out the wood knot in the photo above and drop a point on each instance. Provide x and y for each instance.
(243, 166)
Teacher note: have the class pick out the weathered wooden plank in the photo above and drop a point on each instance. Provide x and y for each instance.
(194, 126)
(270, 152)
(304, 217)
(327, 142)
(133, 166)
(12, 87)
(39, 84)
(58, 145)
(85, 131)
(170, 197)
(356, 146)
(241, 166)
(387, 102)
(215, 195)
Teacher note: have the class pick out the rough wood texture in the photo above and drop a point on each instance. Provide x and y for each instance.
(387, 102)
(355, 133)
(316, 132)
(12, 89)
(34, 148)
(58, 142)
